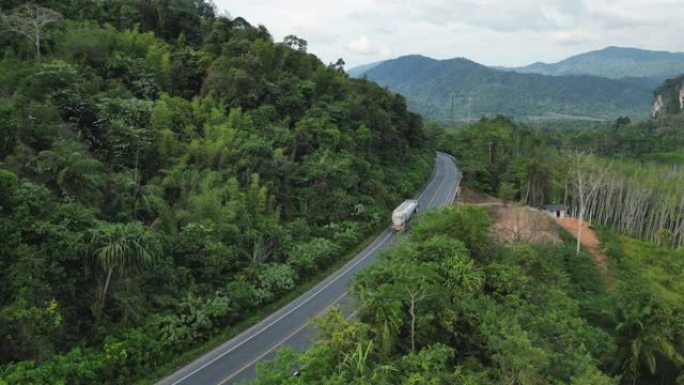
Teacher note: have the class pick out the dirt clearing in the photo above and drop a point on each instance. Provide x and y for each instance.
(521, 223)
(513, 222)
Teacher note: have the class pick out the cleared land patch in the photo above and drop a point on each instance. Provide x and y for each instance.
(518, 223)
(514, 222)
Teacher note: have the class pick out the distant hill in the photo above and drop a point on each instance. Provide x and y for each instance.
(616, 63)
(453, 90)
(358, 71)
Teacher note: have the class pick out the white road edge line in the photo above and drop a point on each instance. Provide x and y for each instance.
(264, 354)
(286, 314)
(455, 183)
(355, 312)
(308, 322)
(432, 180)
(349, 268)
(299, 329)
(281, 342)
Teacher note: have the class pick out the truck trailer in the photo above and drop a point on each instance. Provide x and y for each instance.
(402, 214)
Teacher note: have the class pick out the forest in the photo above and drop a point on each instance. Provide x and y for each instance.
(169, 173)
(459, 90)
(452, 306)
(166, 172)
(632, 172)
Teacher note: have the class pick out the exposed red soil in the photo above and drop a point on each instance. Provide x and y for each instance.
(514, 222)
(521, 223)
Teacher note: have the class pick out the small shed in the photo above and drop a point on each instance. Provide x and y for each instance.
(555, 211)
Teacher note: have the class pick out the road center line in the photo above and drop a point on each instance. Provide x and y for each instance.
(281, 342)
(437, 190)
(432, 180)
(262, 355)
(333, 280)
(349, 268)
(289, 336)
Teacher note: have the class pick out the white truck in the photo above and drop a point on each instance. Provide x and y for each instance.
(402, 214)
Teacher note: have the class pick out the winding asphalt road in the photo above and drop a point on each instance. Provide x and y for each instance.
(234, 361)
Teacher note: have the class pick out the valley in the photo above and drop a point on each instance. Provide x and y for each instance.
(188, 196)
(597, 86)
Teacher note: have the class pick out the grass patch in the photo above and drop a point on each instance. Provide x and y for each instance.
(676, 157)
(659, 266)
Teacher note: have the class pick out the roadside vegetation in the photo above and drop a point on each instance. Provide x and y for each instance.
(462, 301)
(452, 305)
(166, 172)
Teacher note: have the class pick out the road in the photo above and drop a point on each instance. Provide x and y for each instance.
(235, 360)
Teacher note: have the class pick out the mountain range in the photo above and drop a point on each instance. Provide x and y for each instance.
(615, 63)
(597, 85)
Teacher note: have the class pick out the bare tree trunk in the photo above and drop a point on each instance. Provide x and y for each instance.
(589, 177)
(412, 311)
(579, 231)
(106, 286)
(580, 187)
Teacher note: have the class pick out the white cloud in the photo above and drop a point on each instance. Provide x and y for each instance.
(359, 46)
(362, 46)
(385, 52)
(570, 38)
(494, 32)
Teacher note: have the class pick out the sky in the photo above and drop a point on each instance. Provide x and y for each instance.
(491, 32)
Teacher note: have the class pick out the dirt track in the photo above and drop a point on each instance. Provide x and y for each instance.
(591, 243)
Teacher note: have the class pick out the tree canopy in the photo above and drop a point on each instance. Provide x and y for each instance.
(165, 172)
(438, 310)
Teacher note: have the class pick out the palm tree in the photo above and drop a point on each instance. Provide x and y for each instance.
(75, 172)
(118, 246)
(645, 334)
(382, 309)
(463, 275)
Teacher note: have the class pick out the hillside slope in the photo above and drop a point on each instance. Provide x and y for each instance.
(360, 70)
(615, 63)
(452, 90)
(166, 173)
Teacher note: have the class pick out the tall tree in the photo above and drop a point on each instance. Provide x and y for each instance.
(647, 334)
(587, 179)
(75, 172)
(118, 246)
(30, 20)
